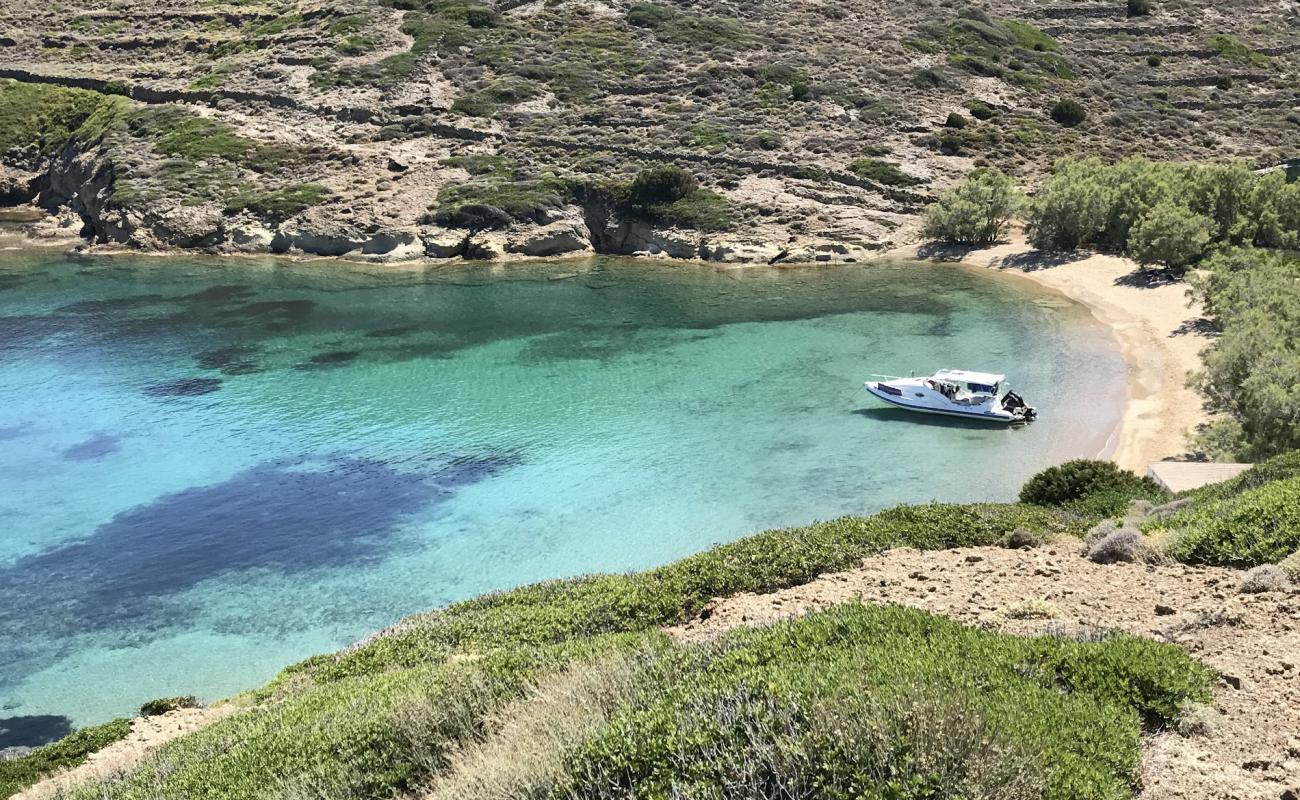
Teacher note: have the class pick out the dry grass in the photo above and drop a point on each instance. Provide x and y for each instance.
(531, 738)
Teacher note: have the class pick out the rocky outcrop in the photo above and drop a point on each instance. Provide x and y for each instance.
(557, 238)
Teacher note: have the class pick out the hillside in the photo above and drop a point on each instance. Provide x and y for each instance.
(439, 128)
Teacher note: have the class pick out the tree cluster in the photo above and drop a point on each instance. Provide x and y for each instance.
(1252, 368)
(1172, 215)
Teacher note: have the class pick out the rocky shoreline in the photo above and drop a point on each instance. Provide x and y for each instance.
(62, 216)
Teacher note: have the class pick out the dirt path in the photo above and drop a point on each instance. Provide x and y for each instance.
(1251, 753)
(147, 733)
(1155, 325)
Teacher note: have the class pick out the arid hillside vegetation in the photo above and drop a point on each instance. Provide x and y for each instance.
(816, 130)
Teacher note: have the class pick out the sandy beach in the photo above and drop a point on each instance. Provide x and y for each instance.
(1155, 325)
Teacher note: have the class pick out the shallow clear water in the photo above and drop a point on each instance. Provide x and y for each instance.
(211, 469)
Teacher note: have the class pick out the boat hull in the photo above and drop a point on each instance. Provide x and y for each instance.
(998, 416)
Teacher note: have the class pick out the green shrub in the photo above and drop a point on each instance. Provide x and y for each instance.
(676, 27)
(372, 737)
(1258, 526)
(162, 705)
(1154, 60)
(887, 702)
(1139, 8)
(975, 213)
(19, 773)
(664, 183)
(981, 110)
(1098, 488)
(1068, 112)
(497, 204)
(873, 169)
(42, 116)
(1277, 468)
(1232, 48)
(701, 210)
(955, 120)
(765, 140)
(278, 204)
(482, 164)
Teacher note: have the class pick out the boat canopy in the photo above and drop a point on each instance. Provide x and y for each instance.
(977, 381)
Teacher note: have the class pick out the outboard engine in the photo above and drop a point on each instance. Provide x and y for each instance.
(1017, 406)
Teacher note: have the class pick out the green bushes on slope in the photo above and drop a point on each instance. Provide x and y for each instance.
(1277, 468)
(1257, 526)
(359, 738)
(887, 702)
(887, 693)
(555, 610)
(19, 773)
(44, 117)
(1090, 487)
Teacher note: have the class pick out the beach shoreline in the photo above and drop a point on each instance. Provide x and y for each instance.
(1155, 327)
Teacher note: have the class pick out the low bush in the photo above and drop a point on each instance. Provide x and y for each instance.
(278, 205)
(1258, 526)
(883, 172)
(1265, 578)
(1097, 488)
(481, 164)
(1291, 566)
(19, 773)
(1138, 8)
(669, 195)
(162, 705)
(664, 183)
(955, 120)
(981, 110)
(497, 204)
(1125, 545)
(701, 210)
(697, 30)
(1068, 112)
(357, 738)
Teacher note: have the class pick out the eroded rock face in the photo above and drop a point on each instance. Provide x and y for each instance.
(569, 234)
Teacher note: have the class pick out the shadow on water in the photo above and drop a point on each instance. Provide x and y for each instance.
(289, 516)
(33, 731)
(931, 420)
(95, 447)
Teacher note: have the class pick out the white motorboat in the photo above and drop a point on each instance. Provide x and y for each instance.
(955, 393)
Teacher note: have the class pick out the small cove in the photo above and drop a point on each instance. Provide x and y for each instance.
(210, 469)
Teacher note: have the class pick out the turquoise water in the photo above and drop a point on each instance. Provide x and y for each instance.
(210, 469)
